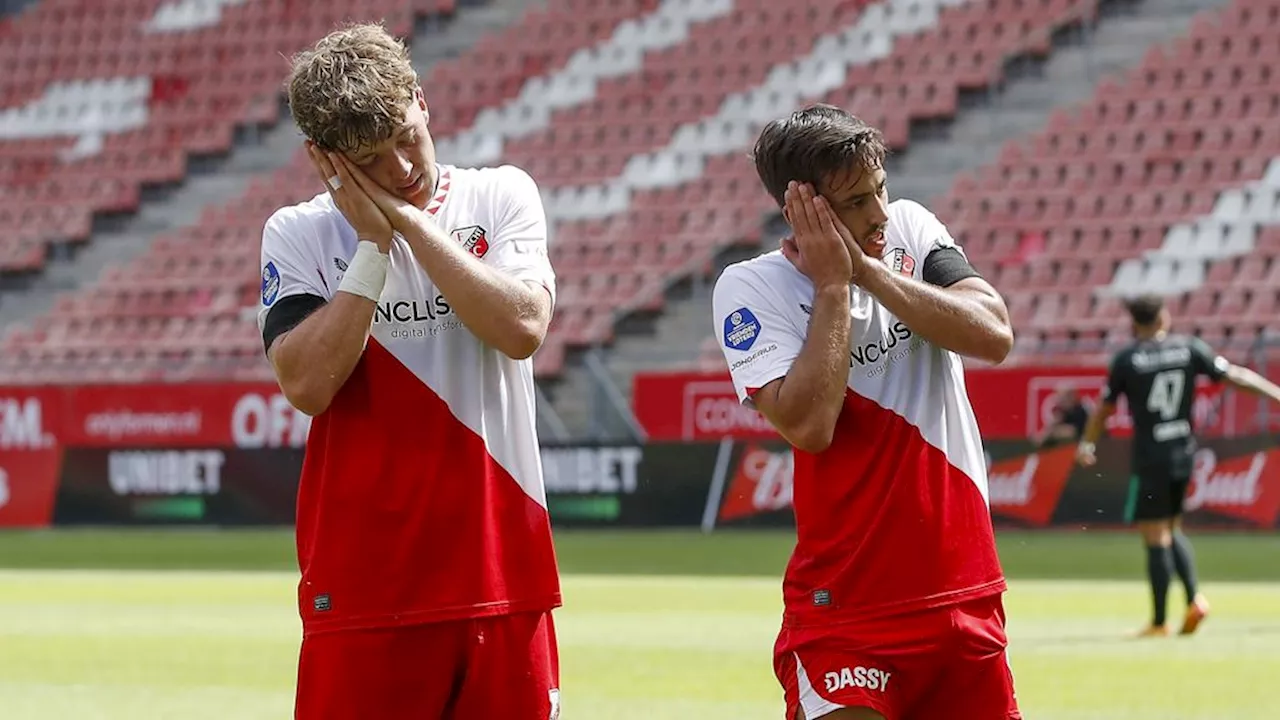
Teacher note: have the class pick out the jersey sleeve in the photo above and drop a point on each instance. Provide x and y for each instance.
(1115, 379)
(945, 262)
(519, 242)
(1207, 362)
(759, 342)
(287, 268)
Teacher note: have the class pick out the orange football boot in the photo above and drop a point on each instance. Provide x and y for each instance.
(1197, 611)
(1151, 631)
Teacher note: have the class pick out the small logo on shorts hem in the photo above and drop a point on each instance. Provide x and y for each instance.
(857, 677)
(821, 598)
(321, 603)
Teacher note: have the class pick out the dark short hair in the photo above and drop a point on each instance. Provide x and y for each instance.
(1145, 309)
(812, 144)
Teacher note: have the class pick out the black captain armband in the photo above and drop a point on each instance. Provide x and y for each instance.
(286, 314)
(947, 266)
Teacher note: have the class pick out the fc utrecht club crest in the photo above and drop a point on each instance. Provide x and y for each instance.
(900, 262)
(473, 238)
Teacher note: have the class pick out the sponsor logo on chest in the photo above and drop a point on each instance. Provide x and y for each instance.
(416, 319)
(898, 337)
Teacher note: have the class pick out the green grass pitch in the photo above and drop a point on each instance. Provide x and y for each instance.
(116, 624)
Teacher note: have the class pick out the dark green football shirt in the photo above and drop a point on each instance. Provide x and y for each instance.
(1158, 378)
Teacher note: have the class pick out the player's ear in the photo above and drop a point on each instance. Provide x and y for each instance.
(421, 99)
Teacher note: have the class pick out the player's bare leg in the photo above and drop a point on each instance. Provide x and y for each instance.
(1157, 536)
(845, 714)
(1184, 565)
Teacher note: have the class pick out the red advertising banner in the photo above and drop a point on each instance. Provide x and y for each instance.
(1027, 487)
(761, 482)
(29, 456)
(37, 426)
(1244, 487)
(1235, 483)
(1010, 403)
(232, 415)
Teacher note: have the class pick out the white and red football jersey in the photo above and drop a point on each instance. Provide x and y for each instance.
(893, 516)
(421, 497)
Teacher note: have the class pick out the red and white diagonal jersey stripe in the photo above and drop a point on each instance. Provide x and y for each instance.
(893, 516)
(421, 497)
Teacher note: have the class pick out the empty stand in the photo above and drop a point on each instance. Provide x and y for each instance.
(139, 88)
(1164, 172)
(96, 101)
(179, 311)
(1164, 179)
(668, 211)
(687, 82)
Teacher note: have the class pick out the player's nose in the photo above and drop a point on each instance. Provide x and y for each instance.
(880, 212)
(404, 165)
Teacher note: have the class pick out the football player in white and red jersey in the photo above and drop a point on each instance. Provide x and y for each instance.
(400, 308)
(849, 341)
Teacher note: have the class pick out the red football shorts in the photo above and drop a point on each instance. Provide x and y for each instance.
(495, 667)
(943, 663)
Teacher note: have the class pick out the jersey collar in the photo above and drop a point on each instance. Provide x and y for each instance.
(442, 190)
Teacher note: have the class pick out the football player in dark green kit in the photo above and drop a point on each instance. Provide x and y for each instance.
(1157, 375)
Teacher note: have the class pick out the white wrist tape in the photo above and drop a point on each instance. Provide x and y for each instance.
(367, 272)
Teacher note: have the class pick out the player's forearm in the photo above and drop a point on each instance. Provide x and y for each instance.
(314, 359)
(1246, 379)
(963, 320)
(812, 393)
(1097, 421)
(503, 312)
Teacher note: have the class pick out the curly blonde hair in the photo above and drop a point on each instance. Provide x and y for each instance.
(352, 89)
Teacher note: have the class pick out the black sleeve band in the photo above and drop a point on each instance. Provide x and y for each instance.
(286, 314)
(947, 266)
